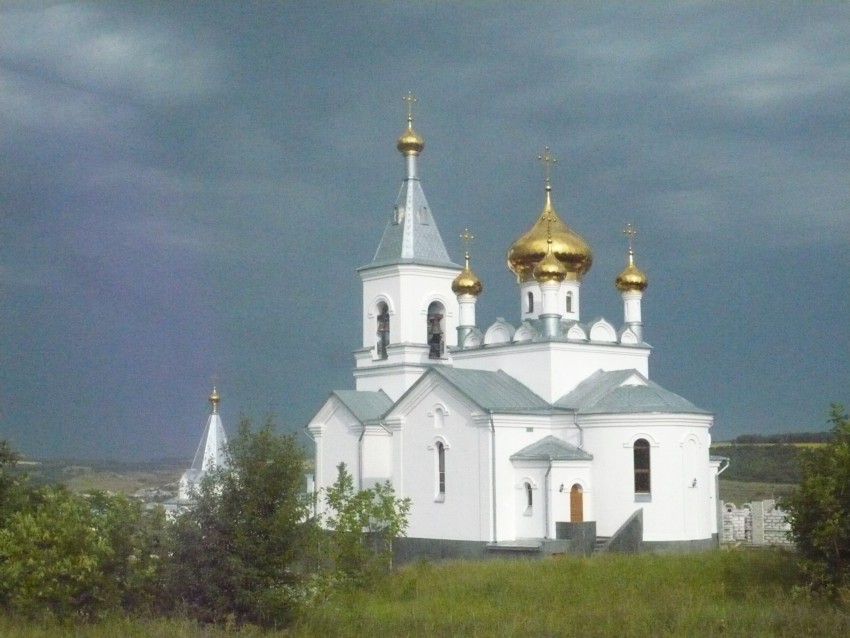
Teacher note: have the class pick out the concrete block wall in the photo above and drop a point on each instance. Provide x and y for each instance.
(756, 523)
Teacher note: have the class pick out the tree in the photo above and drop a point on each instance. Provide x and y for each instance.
(820, 508)
(364, 525)
(237, 549)
(12, 493)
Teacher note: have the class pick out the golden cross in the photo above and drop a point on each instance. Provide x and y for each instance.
(467, 238)
(548, 159)
(630, 232)
(410, 99)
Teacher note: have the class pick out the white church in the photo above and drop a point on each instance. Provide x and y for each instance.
(547, 434)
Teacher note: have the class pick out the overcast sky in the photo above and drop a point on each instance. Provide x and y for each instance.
(186, 189)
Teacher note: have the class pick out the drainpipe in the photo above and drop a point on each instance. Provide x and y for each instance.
(493, 476)
(360, 458)
(546, 502)
(580, 431)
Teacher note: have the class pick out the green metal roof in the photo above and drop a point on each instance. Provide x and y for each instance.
(494, 391)
(550, 448)
(609, 393)
(365, 406)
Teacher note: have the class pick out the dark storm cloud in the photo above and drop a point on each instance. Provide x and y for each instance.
(186, 189)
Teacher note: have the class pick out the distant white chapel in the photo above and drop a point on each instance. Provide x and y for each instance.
(209, 455)
(512, 436)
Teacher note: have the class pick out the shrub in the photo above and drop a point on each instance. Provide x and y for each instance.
(820, 508)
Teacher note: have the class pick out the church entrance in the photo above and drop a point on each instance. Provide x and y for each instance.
(576, 504)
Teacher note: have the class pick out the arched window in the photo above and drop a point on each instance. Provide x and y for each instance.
(441, 471)
(529, 498)
(383, 330)
(436, 336)
(569, 302)
(530, 305)
(643, 481)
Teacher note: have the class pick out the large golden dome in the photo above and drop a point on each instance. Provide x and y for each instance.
(568, 246)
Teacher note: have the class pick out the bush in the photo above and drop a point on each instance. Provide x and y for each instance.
(364, 524)
(820, 508)
(69, 556)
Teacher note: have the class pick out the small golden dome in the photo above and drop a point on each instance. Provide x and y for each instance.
(549, 269)
(568, 247)
(467, 282)
(214, 400)
(410, 142)
(632, 278)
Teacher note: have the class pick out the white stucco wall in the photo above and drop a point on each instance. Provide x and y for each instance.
(464, 511)
(681, 503)
(552, 369)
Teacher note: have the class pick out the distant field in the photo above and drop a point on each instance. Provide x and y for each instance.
(124, 478)
(720, 444)
(740, 492)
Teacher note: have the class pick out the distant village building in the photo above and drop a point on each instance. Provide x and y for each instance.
(210, 453)
(506, 435)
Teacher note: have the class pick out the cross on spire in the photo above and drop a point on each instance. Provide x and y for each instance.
(467, 238)
(548, 160)
(630, 232)
(410, 99)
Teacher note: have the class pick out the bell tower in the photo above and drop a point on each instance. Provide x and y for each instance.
(409, 309)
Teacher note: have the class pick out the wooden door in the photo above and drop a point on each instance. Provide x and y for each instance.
(576, 504)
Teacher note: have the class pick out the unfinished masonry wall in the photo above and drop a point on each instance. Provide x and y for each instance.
(756, 523)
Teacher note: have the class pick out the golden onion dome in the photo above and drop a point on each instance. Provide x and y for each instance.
(568, 247)
(549, 269)
(410, 142)
(467, 282)
(632, 278)
(214, 400)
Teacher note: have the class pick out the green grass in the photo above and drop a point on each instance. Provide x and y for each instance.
(721, 593)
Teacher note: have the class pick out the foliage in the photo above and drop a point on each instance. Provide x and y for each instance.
(11, 493)
(64, 555)
(364, 524)
(820, 508)
(237, 549)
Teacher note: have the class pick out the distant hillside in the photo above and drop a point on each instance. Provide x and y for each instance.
(789, 438)
(761, 463)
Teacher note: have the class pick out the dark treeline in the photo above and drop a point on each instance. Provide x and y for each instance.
(790, 437)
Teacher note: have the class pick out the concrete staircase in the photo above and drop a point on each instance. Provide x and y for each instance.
(601, 542)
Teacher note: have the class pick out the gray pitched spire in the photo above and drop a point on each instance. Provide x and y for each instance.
(412, 233)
